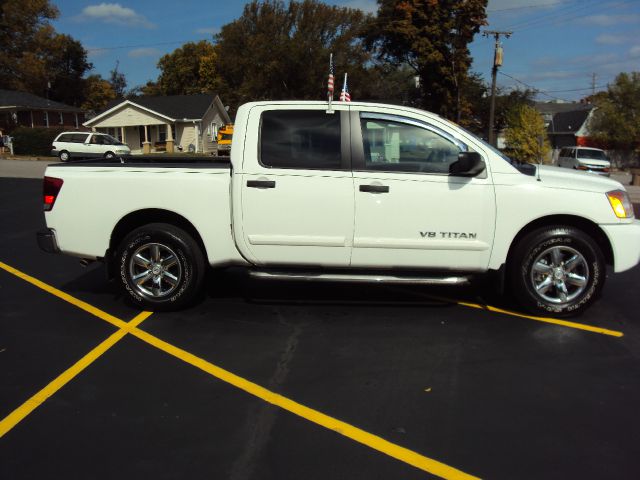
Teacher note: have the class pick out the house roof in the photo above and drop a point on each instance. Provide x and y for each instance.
(568, 122)
(557, 107)
(173, 106)
(13, 98)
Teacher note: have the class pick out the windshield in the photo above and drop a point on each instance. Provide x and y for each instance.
(592, 154)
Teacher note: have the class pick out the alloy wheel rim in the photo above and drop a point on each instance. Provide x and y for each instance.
(154, 270)
(559, 275)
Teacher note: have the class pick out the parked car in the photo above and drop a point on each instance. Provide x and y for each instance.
(364, 192)
(586, 159)
(86, 145)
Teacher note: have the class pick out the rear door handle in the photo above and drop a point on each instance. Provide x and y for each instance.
(374, 188)
(261, 183)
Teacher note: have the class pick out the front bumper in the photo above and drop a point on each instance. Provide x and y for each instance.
(47, 240)
(625, 241)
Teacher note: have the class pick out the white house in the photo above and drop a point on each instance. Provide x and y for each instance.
(187, 123)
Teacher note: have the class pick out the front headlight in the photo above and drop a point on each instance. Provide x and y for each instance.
(619, 200)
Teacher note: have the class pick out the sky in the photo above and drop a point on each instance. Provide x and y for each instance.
(556, 46)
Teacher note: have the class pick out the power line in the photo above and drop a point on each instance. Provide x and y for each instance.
(96, 49)
(528, 7)
(537, 90)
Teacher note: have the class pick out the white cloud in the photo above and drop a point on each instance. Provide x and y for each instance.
(506, 5)
(208, 31)
(607, 39)
(144, 52)
(367, 6)
(610, 20)
(115, 14)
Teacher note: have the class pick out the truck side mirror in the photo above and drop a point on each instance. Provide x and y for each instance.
(469, 164)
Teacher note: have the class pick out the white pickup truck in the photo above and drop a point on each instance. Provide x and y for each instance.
(363, 192)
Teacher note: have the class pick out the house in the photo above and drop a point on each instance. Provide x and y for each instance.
(187, 123)
(22, 109)
(570, 128)
(549, 109)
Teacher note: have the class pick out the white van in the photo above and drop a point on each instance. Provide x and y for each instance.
(585, 159)
(86, 145)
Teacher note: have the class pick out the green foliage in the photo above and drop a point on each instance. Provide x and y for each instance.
(432, 36)
(98, 93)
(616, 120)
(118, 82)
(526, 135)
(187, 70)
(276, 51)
(34, 141)
(34, 55)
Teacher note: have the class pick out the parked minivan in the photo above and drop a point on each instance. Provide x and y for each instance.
(87, 144)
(586, 159)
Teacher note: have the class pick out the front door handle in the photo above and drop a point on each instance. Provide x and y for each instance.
(261, 183)
(374, 188)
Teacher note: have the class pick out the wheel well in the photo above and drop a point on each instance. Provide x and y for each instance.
(139, 218)
(587, 226)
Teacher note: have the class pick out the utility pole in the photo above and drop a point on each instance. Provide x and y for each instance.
(497, 62)
(593, 84)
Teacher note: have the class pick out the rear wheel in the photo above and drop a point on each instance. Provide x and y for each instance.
(64, 156)
(161, 266)
(557, 270)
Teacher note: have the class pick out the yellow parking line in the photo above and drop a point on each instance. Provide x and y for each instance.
(36, 400)
(65, 296)
(354, 433)
(555, 321)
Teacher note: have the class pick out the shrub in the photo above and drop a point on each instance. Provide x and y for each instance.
(34, 141)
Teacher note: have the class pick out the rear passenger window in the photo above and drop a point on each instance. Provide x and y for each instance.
(300, 139)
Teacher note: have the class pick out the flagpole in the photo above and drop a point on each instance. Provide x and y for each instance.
(330, 92)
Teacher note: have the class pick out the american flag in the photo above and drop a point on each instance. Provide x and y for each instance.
(330, 82)
(344, 95)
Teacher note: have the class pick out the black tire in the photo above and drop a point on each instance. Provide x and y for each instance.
(64, 156)
(556, 270)
(161, 267)
(109, 155)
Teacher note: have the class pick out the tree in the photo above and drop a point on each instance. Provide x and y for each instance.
(187, 70)
(616, 120)
(118, 81)
(277, 51)
(526, 135)
(98, 93)
(36, 59)
(432, 37)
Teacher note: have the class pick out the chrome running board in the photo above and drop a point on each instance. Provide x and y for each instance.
(360, 278)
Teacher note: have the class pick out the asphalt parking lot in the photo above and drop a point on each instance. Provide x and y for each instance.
(296, 381)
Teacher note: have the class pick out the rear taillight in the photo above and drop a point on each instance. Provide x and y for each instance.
(50, 188)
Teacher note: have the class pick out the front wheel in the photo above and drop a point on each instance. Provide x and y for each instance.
(557, 270)
(161, 266)
(109, 155)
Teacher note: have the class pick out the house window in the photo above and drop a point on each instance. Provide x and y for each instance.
(115, 133)
(162, 133)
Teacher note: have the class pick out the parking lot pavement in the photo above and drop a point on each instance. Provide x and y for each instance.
(282, 380)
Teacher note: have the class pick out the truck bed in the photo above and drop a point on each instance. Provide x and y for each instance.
(163, 161)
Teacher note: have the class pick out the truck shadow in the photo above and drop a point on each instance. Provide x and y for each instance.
(236, 283)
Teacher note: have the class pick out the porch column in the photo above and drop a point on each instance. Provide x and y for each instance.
(146, 145)
(124, 139)
(169, 141)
